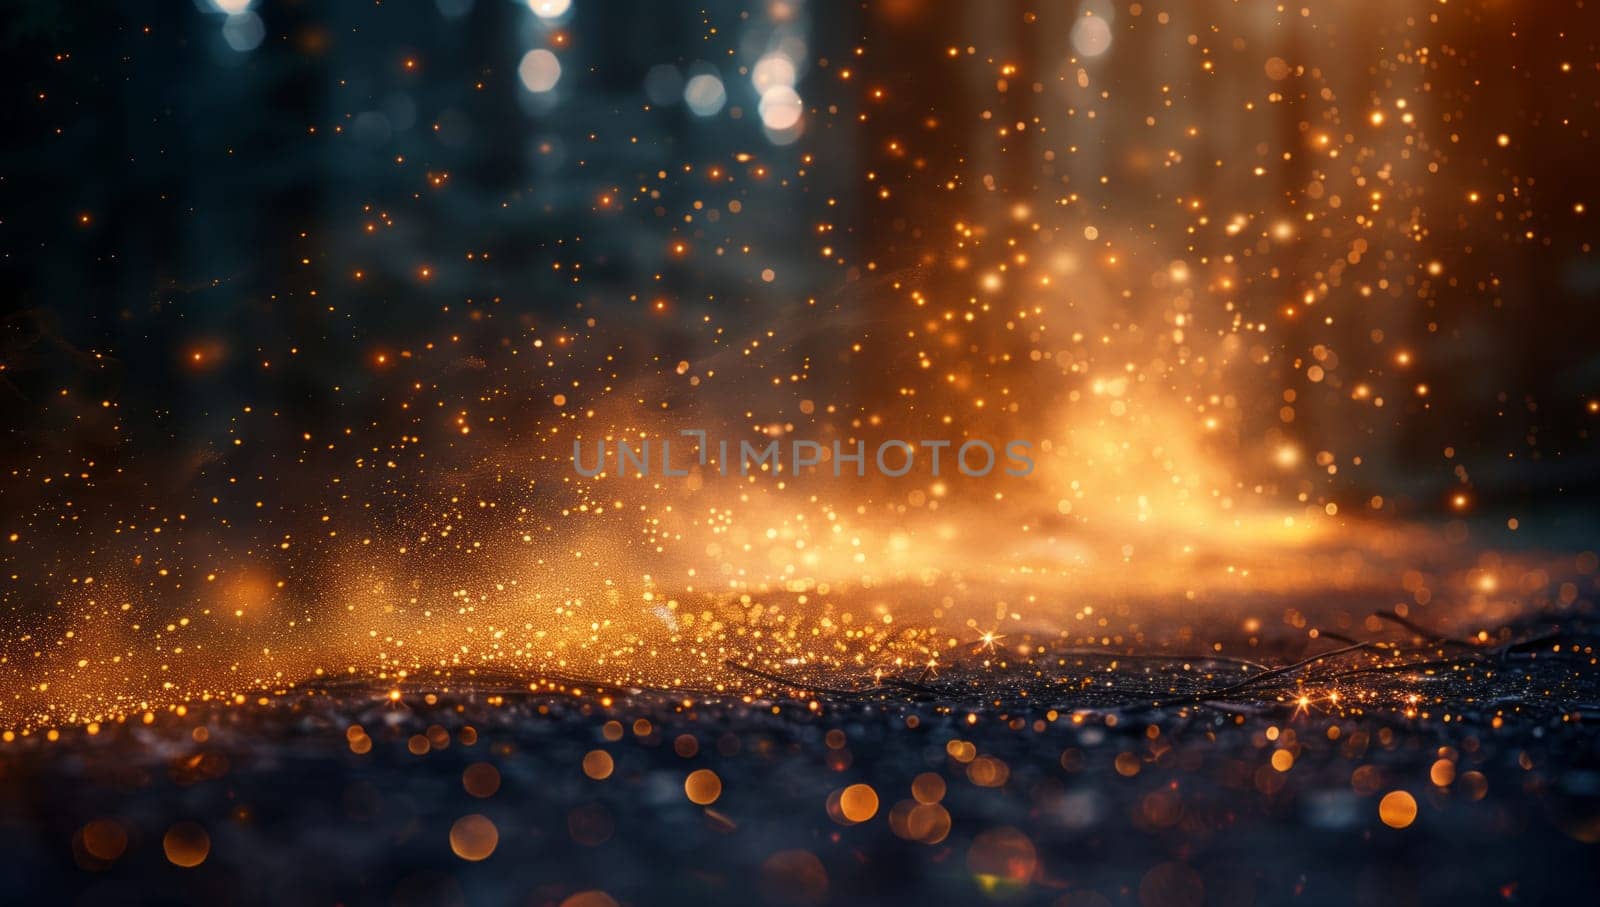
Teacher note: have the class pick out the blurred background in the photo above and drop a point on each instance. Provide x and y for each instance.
(182, 181)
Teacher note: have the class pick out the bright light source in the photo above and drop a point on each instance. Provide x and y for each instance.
(540, 70)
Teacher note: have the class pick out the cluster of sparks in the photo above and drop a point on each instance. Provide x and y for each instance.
(1216, 292)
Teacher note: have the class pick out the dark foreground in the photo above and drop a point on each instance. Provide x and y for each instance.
(1486, 759)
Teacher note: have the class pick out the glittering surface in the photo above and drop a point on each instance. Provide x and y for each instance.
(314, 316)
(1026, 784)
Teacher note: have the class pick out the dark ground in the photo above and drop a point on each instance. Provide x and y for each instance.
(1119, 802)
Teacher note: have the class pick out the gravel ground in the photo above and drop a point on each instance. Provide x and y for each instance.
(1073, 779)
